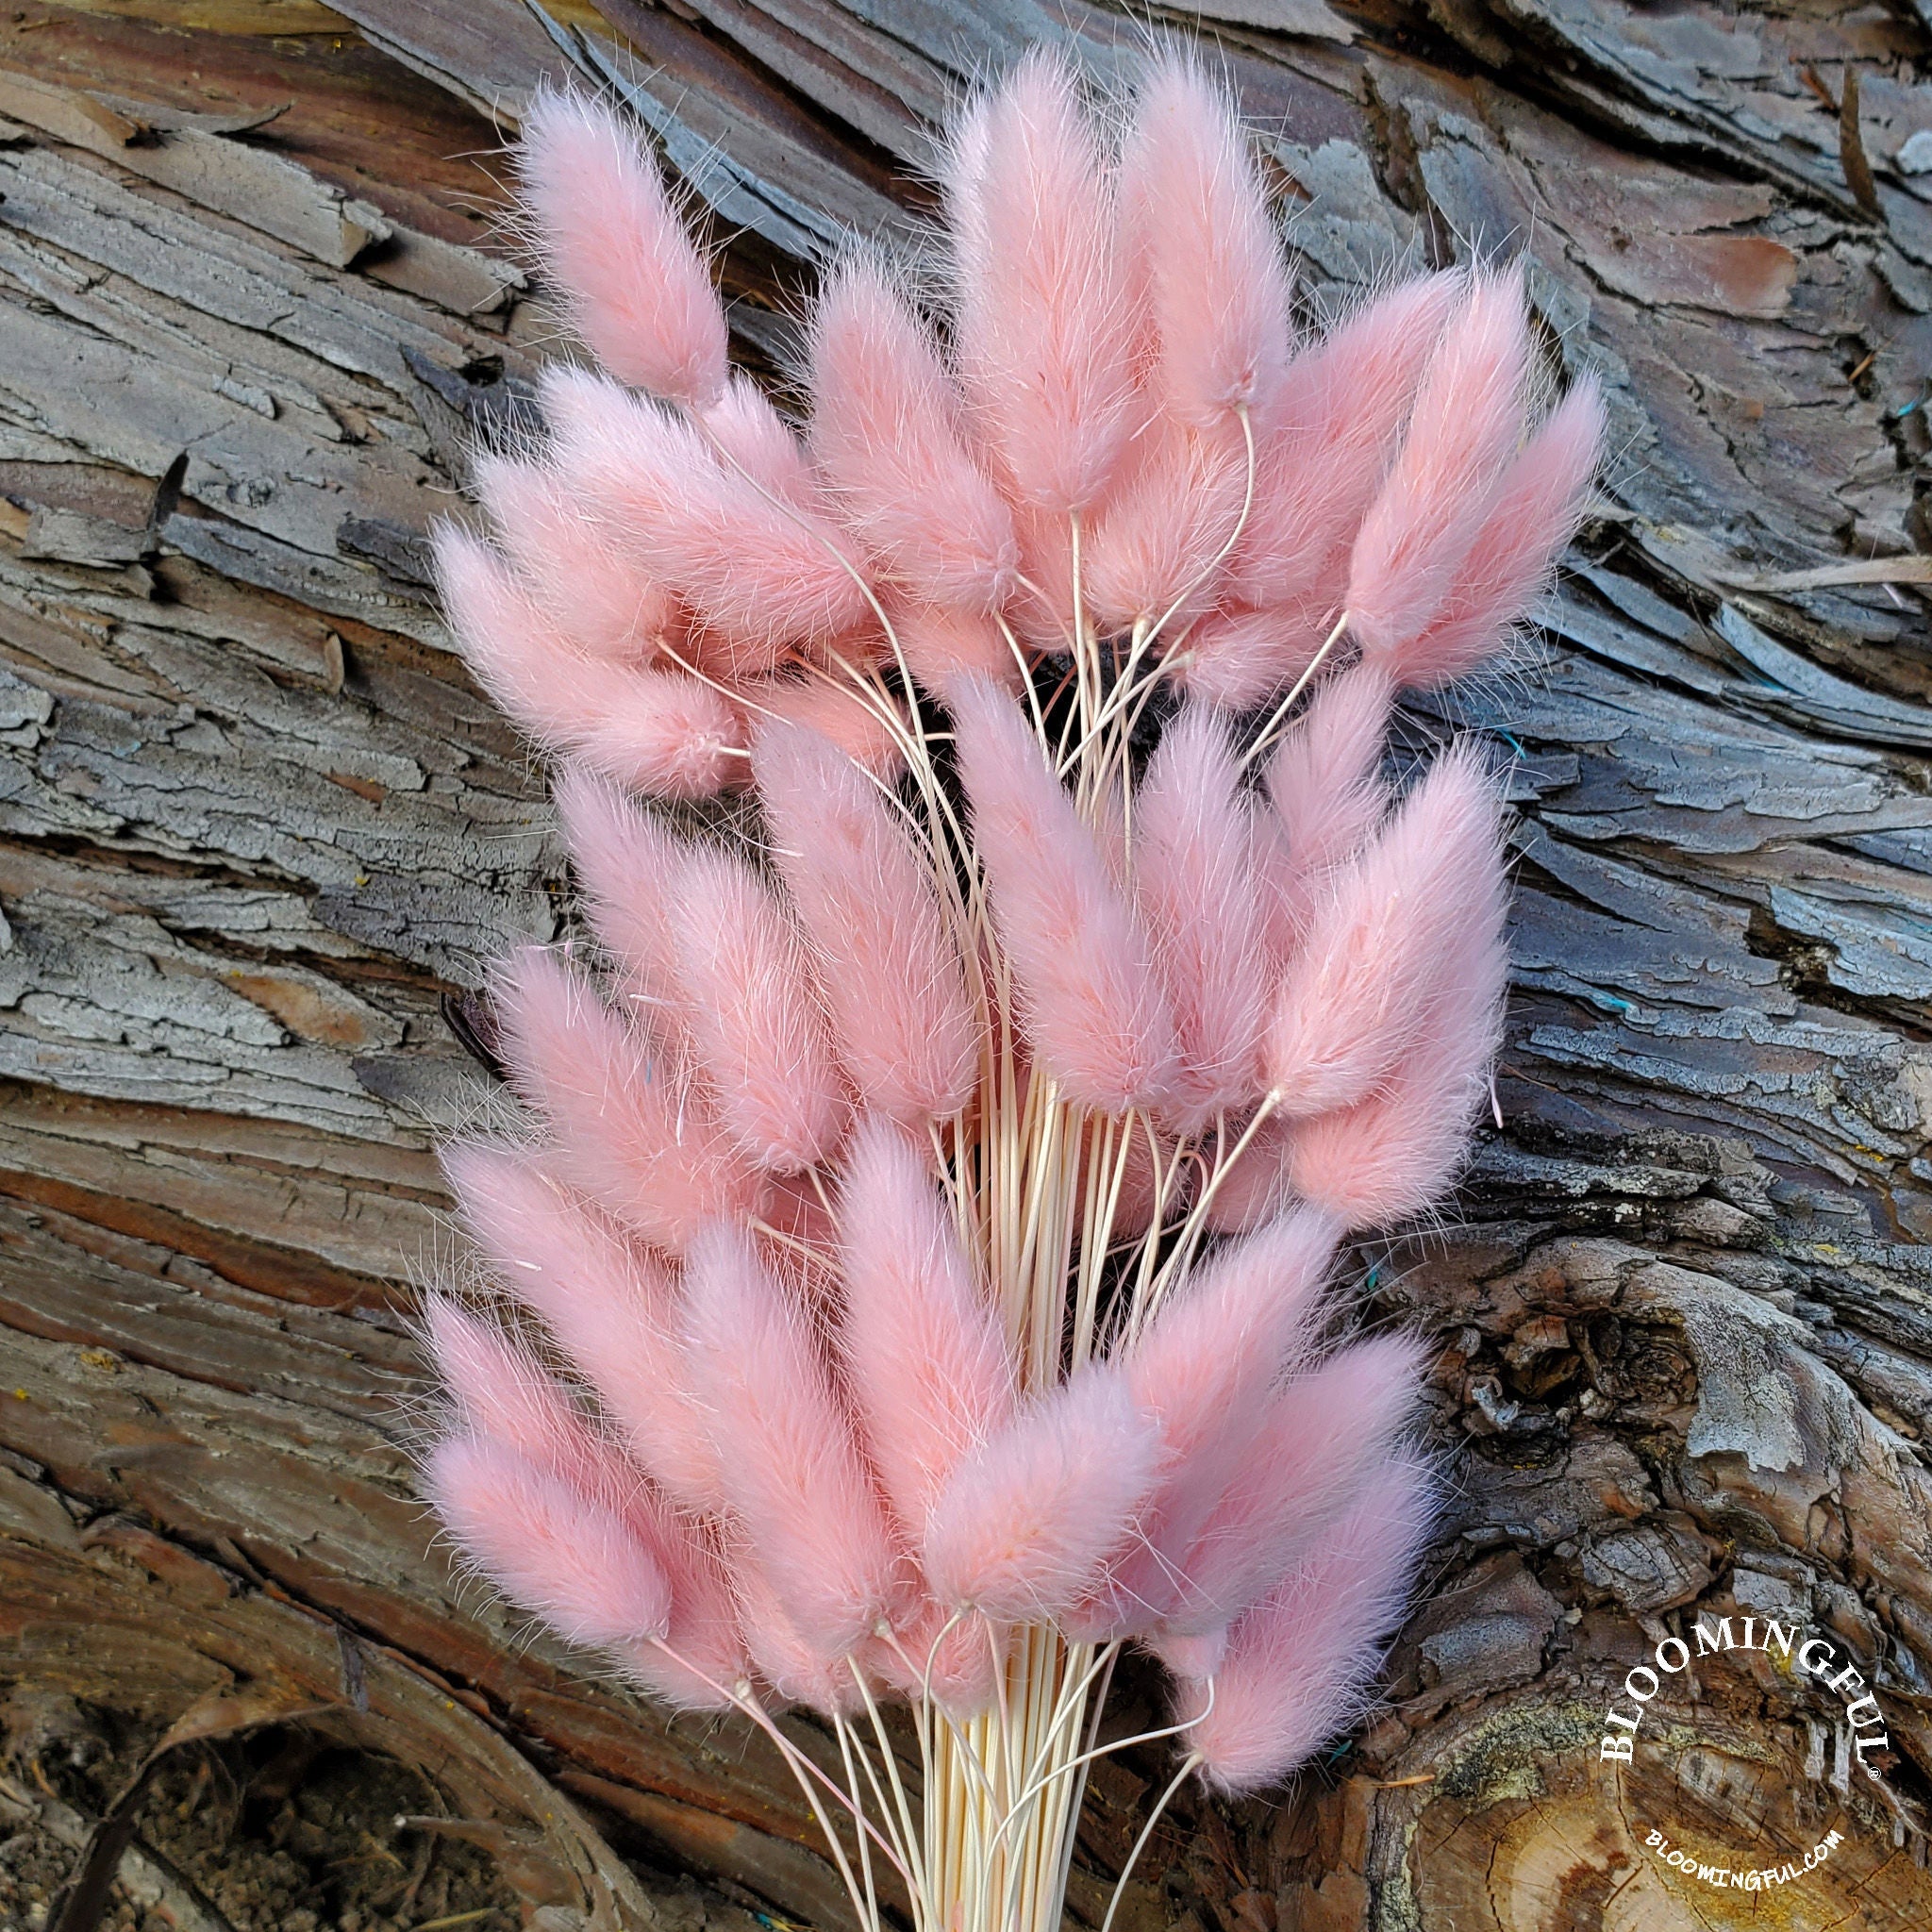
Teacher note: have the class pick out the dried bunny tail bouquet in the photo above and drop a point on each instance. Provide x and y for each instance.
(916, 1280)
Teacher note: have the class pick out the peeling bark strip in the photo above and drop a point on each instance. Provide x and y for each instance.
(255, 828)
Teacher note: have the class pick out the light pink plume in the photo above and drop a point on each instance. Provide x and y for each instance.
(1325, 446)
(1299, 1664)
(1387, 942)
(649, 730)
(1254, 1187)
(1094, 1009)
(701, 1660)
(754, 1018)
(941, 645)
(950, 1655)
(892, 975)
(1154, 548)
(1396, 1153)
(638, 290)
(751, 437)
(1203, 1370)
(855, 725)
(1535, 514)
(792, 1470)
(1195, 884)
(1025, 1529)
(885, 433)
(593, 589)
(799, 1670)
(654, 1156)
(548, 1547)
(1045, 329)
(1321, 1441)
(610, 1306)
(1466, 422)
(1198, 220)
(763, 574)
(931, 1376)
(1241, 656)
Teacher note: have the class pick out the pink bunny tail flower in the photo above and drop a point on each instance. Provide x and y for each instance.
(1535, 515)
(754, 441)
(886, 435)
(1467, 418)
(700, 1662)
(549, 1548)
(653, 1156)
(945, 1655)
(763, 574)
(792, 1470)
(1198, 223)
(891, 973)
(1193, 881)
(650, 730)
(638, 290)
(1395, 1153)
(1387, 943)
(754, 1020)
(939, 644)
(1094, 1011)
(593, 591)
(1044, 328)
(1026, 1528)
(1298, 1667)
(609, 1306)
(1241, 656)
(931, 1376)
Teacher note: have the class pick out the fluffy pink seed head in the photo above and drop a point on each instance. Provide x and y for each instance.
(650, 730)
(1534, 515)
(1045, 329)
(755, 1019)
(570, 1561)
(1094, 1011)
(638, 290)
(652, 1156)
(1198, 221)
(1387, 942)
(1194, 882)
(1025, 1529)
(1241, 656)
(593, 589)
(930, 1372)
(939, 644)
(852, 725)
(792, 1470)
(610, 1306)
(751, 437)
(886, 434)
(1467, 418)
(1298, 1666)
(892, 978)
(702, 1658)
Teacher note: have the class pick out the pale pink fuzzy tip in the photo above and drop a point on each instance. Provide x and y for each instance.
(792, 1470)
(626, 1136)
(1385, 943)
(1093, 1007)
(611, 1308)
(893, 977)
(1466, 422)
(639, 292)
(1298, 1666)
(939, 645)
(798, 1670)
(946, 1658)
(753, 440)
(754, 1014)
(549, 1548)
(763, 574)
(884, 430)
(1241, 656)
(1535, 514)
(1044, 330)
(701, 1660)
(1026, 1528)
(1323, 1438)
(931, 1374)
(1194, 882)
(867, 729)
(650, 730)
(592, 588)
(1395, 1153)
(1325, 446)
(1198, 221)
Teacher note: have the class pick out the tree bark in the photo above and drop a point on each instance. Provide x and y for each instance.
(255, 826)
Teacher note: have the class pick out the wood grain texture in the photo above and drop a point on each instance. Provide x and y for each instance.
(255, 823)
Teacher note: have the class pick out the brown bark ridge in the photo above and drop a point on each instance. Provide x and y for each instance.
(253, 824)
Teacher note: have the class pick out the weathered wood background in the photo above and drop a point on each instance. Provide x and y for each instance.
(255, 823)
